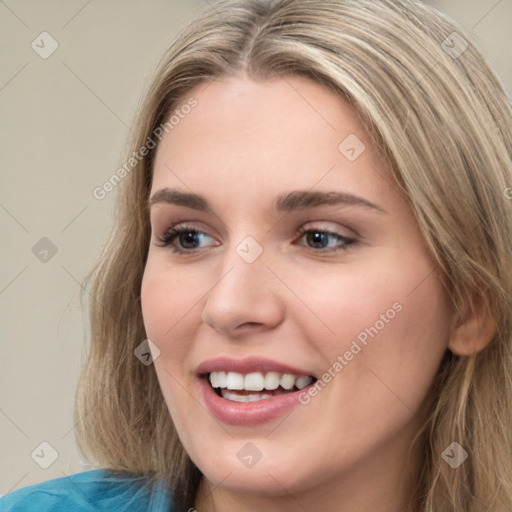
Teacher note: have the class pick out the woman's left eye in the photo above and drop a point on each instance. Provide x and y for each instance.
(185, 239)
(320, 240)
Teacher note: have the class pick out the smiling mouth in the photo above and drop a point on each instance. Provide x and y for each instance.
(251, 387)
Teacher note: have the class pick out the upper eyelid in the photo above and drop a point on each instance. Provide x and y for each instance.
(184, 218)
(190, 225)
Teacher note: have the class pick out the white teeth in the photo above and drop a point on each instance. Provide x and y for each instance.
(244, 398)
(272, 380)
(234, 380)
(218, 379)
(303, 381)
(254, 381)
(214, 379)
(257, 381)
(287, 381)
(221, 379)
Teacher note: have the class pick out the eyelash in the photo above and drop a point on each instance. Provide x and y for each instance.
(172, 234)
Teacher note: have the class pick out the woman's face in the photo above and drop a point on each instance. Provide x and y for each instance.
(300, 258)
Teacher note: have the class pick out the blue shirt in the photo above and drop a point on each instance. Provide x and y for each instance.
(99, 490)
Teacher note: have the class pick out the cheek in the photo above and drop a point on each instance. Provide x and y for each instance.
(389, 322)
(166, 301)
(167, 309)
(167, 306)
(364, 300)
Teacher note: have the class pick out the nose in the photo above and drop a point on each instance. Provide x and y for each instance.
(245, 297)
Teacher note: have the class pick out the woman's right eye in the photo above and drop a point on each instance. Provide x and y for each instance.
(182, 239)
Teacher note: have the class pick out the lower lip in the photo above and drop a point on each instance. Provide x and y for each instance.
(247, 413)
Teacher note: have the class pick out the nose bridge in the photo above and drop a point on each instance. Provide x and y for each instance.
(245, 292)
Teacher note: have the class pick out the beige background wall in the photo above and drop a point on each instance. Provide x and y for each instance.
(63, 123)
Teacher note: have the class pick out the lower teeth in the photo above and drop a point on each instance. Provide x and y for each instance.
(229, 395)
(249, 396)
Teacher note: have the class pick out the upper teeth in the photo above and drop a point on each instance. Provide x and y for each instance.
(258, 381)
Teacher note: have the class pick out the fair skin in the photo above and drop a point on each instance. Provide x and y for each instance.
(297, 304)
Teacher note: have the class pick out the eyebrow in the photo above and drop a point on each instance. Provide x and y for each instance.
(295, 200)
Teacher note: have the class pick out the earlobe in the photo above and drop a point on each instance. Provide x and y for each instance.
(473, 331)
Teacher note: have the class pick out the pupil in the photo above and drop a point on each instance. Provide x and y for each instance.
(318, 238)
(188, 237)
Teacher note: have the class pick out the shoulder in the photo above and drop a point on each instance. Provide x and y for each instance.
(90, 491)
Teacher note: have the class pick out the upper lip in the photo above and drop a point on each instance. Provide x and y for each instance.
(247, 365)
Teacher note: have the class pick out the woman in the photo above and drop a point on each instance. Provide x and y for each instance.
(305, 303)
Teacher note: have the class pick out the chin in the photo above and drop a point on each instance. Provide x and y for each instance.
(262, 479)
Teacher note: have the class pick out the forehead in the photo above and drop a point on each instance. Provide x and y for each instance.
(243, 133)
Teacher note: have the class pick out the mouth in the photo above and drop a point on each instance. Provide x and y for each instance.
(252, 390)
(255, 386)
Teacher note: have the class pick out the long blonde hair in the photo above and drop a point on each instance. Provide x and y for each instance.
(441, 119)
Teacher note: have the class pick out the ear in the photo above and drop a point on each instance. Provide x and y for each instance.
(473, 330)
